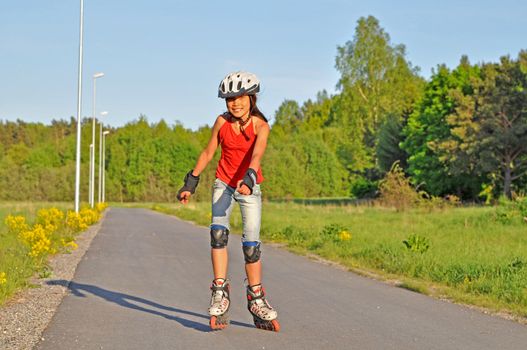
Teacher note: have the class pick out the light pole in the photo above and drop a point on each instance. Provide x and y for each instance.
(100, 157)
(92, 155)
(104, 162)
(79, 102)
(92, 148)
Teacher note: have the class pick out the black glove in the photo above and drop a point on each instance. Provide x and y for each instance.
(191, 182)
(249, 179)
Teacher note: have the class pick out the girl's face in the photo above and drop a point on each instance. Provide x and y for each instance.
(239, 106)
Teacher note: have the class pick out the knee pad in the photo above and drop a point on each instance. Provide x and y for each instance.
(219, 236)
(251, 251)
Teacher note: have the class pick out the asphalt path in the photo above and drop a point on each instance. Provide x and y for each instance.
(144, 284)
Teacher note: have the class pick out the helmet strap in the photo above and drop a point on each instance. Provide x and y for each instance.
(244, 122)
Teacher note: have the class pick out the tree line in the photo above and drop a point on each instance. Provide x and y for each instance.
(461, 132)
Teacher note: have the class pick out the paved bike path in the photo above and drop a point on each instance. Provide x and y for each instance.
(144, 284)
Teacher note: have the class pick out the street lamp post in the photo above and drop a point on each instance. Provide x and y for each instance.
(100, 157)
(79, 102)
(92, 156)
(92, 149)
(104, 162)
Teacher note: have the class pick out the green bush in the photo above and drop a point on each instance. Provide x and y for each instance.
(396, 190)
(416, 243)
(508, 211)
(364, 188)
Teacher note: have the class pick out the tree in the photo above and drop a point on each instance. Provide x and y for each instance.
(376, 75)
(288, 117)
(436, 135)
(376, 82)
(502, 114)
(388, 148)
(316, 114)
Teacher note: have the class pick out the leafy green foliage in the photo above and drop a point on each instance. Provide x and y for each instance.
(332, 230)
(376, 81)
(509, 211)
(439, 159)
(502, 99)
(361, 187)
(417, 243)
(375, 73)
(388, 147)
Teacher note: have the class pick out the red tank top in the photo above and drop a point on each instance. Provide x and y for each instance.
(236, 154)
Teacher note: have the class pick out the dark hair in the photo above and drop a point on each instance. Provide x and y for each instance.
(254, 108)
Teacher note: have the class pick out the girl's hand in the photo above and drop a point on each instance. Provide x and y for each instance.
(184, 197)
(242, 188)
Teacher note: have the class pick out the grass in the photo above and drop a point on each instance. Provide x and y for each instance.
(468, 254)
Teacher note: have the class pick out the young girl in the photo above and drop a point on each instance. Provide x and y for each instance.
(242, 133)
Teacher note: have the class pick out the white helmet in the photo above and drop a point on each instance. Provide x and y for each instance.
(237, 84)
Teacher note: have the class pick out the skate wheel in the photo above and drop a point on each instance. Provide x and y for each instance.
(268, 325)
(218, 322)
(276, 325)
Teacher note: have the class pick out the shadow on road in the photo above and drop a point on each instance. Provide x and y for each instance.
(126, 300)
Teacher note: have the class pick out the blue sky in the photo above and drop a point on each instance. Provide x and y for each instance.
(165, 58)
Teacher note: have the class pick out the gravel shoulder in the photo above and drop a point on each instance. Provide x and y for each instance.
(25, 317)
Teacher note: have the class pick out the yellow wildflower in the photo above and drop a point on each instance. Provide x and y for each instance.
(89, 216)
(3, 278)
(344, 235)
(50, 217)
(16, 224)
(75, 222)
(100, 207)
(37, 239)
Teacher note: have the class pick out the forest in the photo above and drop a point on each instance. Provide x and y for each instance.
(461, 132)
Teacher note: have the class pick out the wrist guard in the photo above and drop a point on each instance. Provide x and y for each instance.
(191, 182)
(249, 179)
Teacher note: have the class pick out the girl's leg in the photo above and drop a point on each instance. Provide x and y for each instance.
(251, 210)
(220, 262)
(222, 202)
(254, 273)
(264, 316)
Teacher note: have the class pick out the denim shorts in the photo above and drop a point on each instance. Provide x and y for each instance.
(223, 198)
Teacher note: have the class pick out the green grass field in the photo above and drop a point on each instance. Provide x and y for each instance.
(468, 254)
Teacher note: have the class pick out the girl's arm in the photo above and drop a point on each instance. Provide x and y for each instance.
(208, 153)
(262, 133)
(204, 158)
(261, 144)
